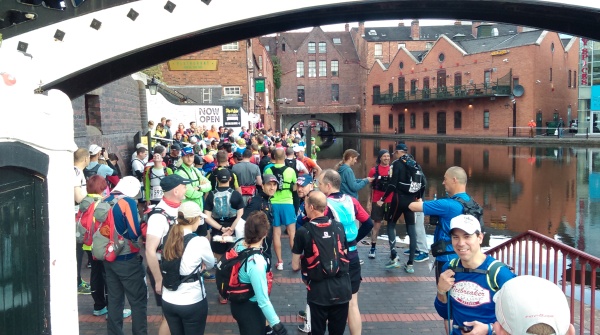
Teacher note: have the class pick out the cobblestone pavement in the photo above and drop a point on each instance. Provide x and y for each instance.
(391, 301)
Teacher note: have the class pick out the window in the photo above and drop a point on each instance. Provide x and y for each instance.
(260, 62)
(390, 89)
(335, 92)
(569, 79)
(391, 121)
(413, 87)
(550, 74)
(93, 116)
(401, 65)
(441, 57)
(515, 81)
(283, 47)
(232, 90)
(457, 120)
(486, 159)
(312, 68)
(268, 48)
(487, 76)
(322, 68)
(378, 50)
(486, 119)
(376, 124)
(426, 120)
(428, 45)
(235, 46)
(574, 78)
(337, 40)
(335, 68)
(401, 124)
(376, 94)
(401, 45)
(322, 47)
(207, 95)
(300, 69)
(311, 47)
(413, 121)
(300, 91)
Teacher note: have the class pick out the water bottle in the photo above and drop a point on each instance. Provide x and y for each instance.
(434, 219)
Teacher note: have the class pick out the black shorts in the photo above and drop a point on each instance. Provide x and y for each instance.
(158, 297)
(378, 212)
(354, 272)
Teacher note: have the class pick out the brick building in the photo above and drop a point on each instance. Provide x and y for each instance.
(321, 73)
(465, 86)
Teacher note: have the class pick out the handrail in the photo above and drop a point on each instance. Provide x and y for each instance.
(548, 257)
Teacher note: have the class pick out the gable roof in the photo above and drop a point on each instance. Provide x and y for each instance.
(428, 33)
(295, 40)
(487, 44)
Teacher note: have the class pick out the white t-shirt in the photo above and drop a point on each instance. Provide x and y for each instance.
(157, 223)
(79, 181)
(198, 250)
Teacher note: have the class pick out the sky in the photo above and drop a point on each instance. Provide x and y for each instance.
(383, 23)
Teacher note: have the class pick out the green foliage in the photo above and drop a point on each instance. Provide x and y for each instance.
(276, 72)
(154, 71)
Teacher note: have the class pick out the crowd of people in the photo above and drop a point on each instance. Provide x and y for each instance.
(198, 194)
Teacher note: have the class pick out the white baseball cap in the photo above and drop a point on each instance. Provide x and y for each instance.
(528, 300)
(94, 149)
(298, 148)
(468, 223)
(190, 209)
(129, 186)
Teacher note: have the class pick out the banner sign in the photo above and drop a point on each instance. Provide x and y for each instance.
(193, 65)
(232, 117)
(259, 85)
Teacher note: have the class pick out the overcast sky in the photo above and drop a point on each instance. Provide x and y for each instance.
(385, 23)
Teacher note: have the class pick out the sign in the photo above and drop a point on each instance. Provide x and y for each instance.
(259, 85)
(500, 52)
(232, 117)
(210, 115)
(595, 103)
(193, 65)
(584, 64)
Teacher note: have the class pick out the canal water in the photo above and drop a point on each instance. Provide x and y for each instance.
(554, 191)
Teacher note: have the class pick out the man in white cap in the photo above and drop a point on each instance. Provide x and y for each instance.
(467, 285)
(94, 167)
(532, 305)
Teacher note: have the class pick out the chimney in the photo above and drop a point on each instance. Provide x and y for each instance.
(415, 31)
(347, 27)
(457, 23)
(401, 24)
(361, 28)
(474, 26)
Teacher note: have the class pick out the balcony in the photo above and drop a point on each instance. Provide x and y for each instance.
(443, 93)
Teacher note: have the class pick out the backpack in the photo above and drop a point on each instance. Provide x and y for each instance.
(171, 220)
(416, 178)
(278, 173)
(86, 226)
(328, 258)
(88, 173)
(380, 182)
(169, 269)
(491, 272)
(471, 207)
(108, 243)
(222, 204)
(292, 164)
(227, 274)
(343, 212)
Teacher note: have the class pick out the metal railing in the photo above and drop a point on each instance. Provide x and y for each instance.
(576, 272)
(543, 131)
(443, 93)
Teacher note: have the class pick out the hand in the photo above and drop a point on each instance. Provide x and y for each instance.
(446, 281)
(370, 179)
(158, 287)
(279, 329)
(380, 203)
(478, 328)
(227, 231)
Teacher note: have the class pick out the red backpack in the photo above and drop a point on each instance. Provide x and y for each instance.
(86, 224)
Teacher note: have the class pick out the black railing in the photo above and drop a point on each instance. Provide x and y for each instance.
(443, 93)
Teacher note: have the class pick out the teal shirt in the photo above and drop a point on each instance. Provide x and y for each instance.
(255, 273)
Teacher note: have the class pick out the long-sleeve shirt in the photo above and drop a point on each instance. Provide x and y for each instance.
(350, 185)
(192, 193)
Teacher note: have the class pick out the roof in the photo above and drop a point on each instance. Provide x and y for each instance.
(428, 33)
(487, 44)
(294, 41)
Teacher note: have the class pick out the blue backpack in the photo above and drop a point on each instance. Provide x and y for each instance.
(222, 205)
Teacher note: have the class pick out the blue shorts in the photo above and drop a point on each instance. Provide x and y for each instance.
(283, 215)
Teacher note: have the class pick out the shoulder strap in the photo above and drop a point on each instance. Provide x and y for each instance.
(492, 274)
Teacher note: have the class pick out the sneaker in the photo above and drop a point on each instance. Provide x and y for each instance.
(393, 263)
(361, 262)
(372, 253)
(409, 268)
(304, 328)
(89, 265)
(407, 252)
(126, 313)
(83, 289)
(302, 315)
(84, 284)
(100, 312)
(280, 266)
(421, 257)
(268, 330)
(207, 275)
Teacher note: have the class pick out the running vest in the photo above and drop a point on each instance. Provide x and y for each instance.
(343, 212)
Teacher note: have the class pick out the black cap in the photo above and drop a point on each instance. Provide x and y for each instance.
(223, 175)
(171, 181)
(401, 146)
(175, 146)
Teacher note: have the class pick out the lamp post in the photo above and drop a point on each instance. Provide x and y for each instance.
(153, 86)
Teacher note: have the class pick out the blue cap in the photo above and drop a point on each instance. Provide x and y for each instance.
(401, 146)
(304, 180)
(187, 151)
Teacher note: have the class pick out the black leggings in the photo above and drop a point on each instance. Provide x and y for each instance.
(249, 317)
(186, 319)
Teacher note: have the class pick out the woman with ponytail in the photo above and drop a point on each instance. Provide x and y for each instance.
(350, 185)
(186, 308)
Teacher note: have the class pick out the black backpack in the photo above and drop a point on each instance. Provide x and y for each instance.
(278, 173)
(227, 274)
(415, 176)
(380, 182)
(88, 173)
(171, 220)
(292, 164)
(471, 207)
(170, 269)
(328, 258)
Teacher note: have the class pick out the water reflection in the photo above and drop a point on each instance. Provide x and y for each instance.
(554, 191)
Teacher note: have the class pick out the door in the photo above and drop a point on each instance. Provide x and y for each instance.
(401, 124)
(24, 277)
(441, 122)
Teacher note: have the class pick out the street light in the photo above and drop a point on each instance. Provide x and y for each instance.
(153, 86)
